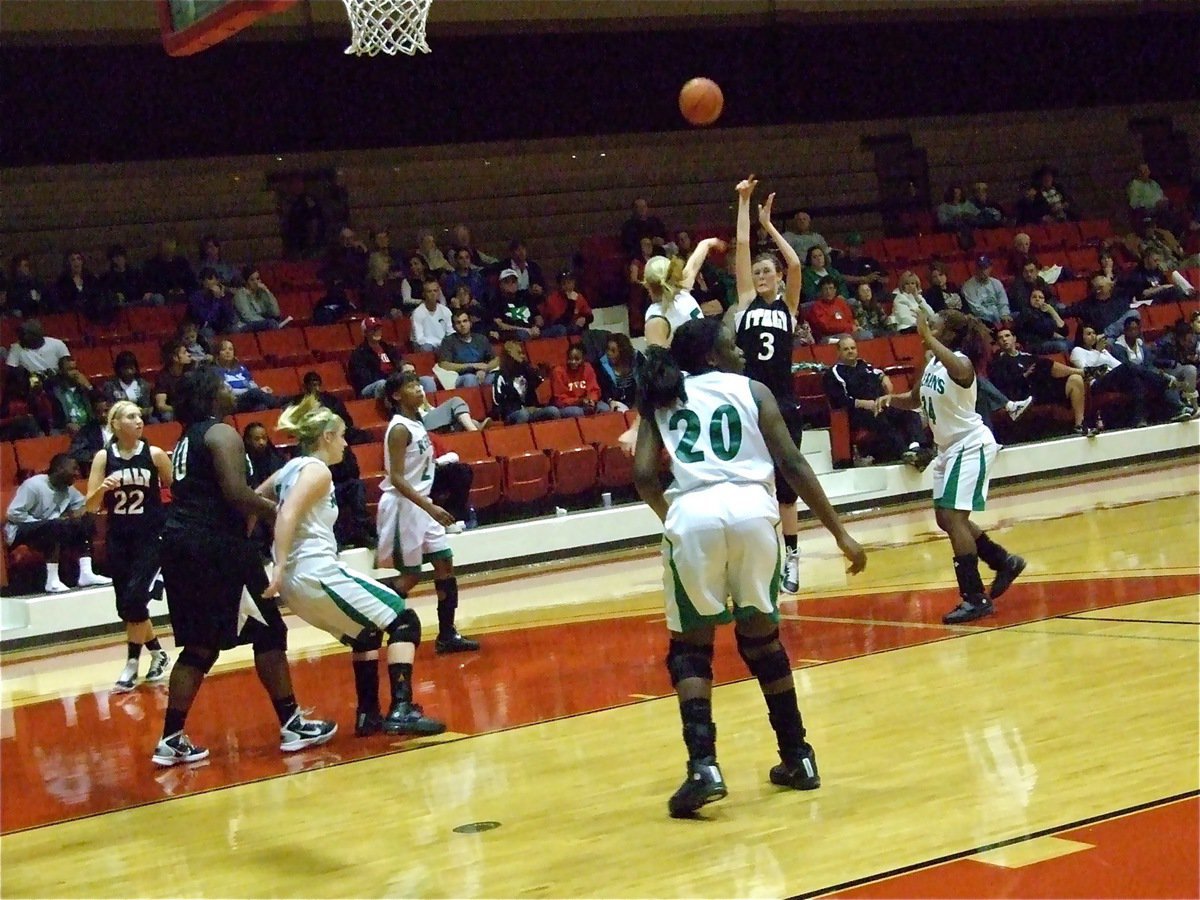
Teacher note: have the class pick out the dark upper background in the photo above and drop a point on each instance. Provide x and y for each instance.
(75, 103)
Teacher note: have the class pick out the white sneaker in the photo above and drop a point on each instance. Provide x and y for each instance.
(160, 663)
(55, 587)
(457, 528)
(300, 732)
(128, 677)
(1016, 408)
(791, 572)
(91, 579)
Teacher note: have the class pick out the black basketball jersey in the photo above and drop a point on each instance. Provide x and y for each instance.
(135, 508)
(764, 334)
(197, 502)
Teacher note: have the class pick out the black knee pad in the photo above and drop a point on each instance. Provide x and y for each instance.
(447, 589)
(764, 657)
(686, 660)
(367, 641)
(406, 629)
(195, 659)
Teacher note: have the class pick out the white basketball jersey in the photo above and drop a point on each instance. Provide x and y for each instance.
(950, 408)
(314, 538)
(681, 310)
(418, 456)
(715, 437)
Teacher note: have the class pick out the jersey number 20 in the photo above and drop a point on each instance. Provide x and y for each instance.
(724, 433)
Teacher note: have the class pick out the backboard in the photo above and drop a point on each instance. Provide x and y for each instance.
(189, 26)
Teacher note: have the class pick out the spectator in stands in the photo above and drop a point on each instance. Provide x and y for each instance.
(452, 414)
(859, 269)
(264, 457)
(346, 260)
(853, 384)
(78, 290)
(514, 392)
(1023, 375)
(869, 315)
(383, 294)
(1106, 373)
(1178, 354)
(1108, 265)
(1057, 205)
(381, 245)
(198, 347)
(530, 281)
(941, 294)
(431, 320)
(956, 214)
(617, 373)
(906, 299)
(1131, 349)
(985, 296)
(565, 311)
(1149, 283)
(460, 236)
(641, 224)
(47, 514)
(168, 272)
(247, 393)
(802, 237)
(127, 383)
(304, 223)
(816, 267)
(574, 387)
(210, 307)
(374, 359)
(1028, 281)
(1104, 309)
(467, 353)
(26, 295)
(34, 352)
(95, 435)
(256, 307)
(435, 262)
(412, 286)
(210, 258)
(1021, 252)
(123, 283)
(1148, 238)
(464, 301)
(987, 213)
(19, 416)
(1040, 326)
(511, 314)
(1146, 197)
(72, 392)
(465, 274)
(1031, 208)
(175, 361)
(830, 316)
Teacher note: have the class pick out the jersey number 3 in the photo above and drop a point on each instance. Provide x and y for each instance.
(767, 350)
(724, 433)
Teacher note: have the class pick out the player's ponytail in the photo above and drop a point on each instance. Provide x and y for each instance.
(306, 421)
(658, 281)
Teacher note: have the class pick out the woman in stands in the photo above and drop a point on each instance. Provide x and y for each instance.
(1105, 373)
(945, 391)
(412, 529)
(816, 267)
(617, 372)
(248, 396)
(725, 440)
(208, 563)
(127, 478)
(323, 591)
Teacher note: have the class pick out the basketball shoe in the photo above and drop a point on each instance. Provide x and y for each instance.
(791, 572)
(704, 784)
(408, 718)
(968, 610)
(798, 771)
(367, 722)
(128, 677)
(300, 732)
(1013, 567)
(176, 749)
(455, 643)
(160, 662)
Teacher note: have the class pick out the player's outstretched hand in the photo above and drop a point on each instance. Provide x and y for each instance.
(856, 554)
(764, 211)
(746, 187)
(923, 327)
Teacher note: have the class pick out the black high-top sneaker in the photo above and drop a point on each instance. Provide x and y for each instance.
(703, 784)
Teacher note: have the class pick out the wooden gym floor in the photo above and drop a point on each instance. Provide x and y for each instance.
(1048, 751)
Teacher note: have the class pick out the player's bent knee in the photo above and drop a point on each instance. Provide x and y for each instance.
(686, 660)
(271, 639)
(201, 660)
(369, 640)
(765, 657)
(406, 629)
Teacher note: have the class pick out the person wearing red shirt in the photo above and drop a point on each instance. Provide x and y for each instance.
(565, 311)
(830, 316)
(574, 386)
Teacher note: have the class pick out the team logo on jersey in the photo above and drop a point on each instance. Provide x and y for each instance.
(767, 318)
(933, 382)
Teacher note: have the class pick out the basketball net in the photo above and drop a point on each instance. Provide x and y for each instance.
(387, 26)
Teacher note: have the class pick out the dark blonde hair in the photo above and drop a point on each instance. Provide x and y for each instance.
(307, 420)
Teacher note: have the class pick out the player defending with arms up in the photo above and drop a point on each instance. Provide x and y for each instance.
(945, 394)
(764, 321)
(725, 438)
(322, 591)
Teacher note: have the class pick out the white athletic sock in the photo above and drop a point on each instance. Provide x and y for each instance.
(53, 582)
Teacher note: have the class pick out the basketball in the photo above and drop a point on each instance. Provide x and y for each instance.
(701, 101)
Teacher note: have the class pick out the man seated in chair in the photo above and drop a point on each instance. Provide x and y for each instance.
(853, 384)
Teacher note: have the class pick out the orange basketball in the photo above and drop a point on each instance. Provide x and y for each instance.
(701, 101)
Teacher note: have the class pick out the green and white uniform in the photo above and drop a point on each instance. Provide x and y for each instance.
(966, 447)
(408, 536)
(682, 309)
(721, 537)
(318, 587)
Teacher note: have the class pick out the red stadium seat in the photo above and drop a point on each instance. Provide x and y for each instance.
(8, 465)
(908, 349)
(487, 472)
(367, 416)
(284, 347)
(34, 454)
(526, 469)
(64, 326)
(283, 381)
(472, 395)
(330, 341)
(333, 378)
(1071, 291)
(162, 434)
(603, 432)
(549, 352)
(1093, 231)
(574, 462)
(1083, 261)
(156, 323)
(94, 362)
